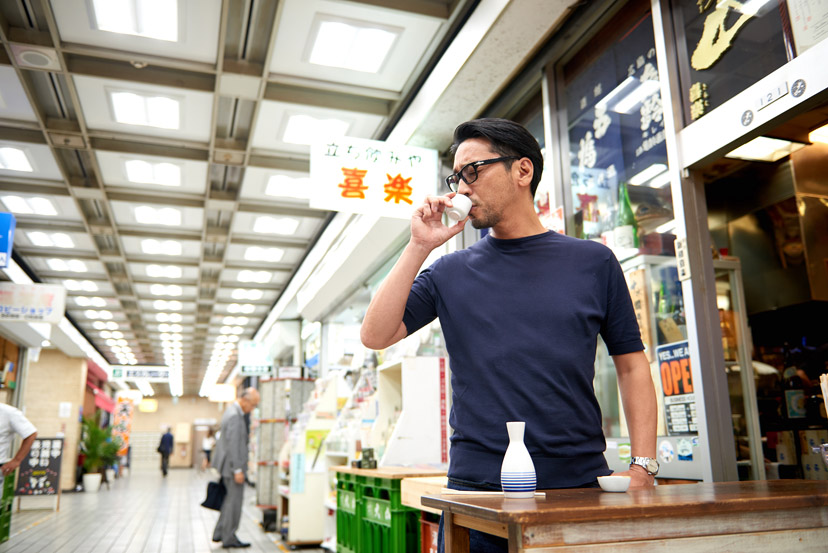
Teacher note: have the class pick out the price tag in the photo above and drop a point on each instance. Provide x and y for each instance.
(772, 95)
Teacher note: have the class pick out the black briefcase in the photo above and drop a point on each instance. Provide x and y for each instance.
(215, 495)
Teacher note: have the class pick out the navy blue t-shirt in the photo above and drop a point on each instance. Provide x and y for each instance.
(521, 319)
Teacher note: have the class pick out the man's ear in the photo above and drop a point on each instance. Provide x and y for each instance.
(525, 171)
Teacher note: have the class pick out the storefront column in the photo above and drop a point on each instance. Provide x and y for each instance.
(690, 212)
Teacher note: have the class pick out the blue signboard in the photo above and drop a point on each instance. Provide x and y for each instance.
(7, 224)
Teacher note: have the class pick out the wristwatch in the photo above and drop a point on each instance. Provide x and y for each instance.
(650, 465)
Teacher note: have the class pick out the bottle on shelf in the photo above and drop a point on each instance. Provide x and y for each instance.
(668, 330)
(679, 315)
(794, 388)
(626, 233)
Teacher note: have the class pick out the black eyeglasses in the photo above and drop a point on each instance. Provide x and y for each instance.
(469, 172)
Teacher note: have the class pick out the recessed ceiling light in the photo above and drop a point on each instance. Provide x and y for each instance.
(148, 215)
(305, 130)
(283, 186)
(819, 135)
(131, 108)
(165, 174)
(13, 159)
(258, 253)
(51, 240)
(78, 286)
(355, 45)
(261, 277)
(30, 206)
(164, 271)
(246, 308)
(245, 294)
(166, 290)
(167, 305)
(763, 148)
(157, 19)
(161, 247)
(266, 224)
(62, 265)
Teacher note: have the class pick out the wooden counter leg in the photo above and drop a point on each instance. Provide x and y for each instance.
(456, 538)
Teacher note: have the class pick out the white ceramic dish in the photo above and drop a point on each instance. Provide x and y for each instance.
(614, 483)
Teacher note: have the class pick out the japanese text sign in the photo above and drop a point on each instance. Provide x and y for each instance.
(7, 225)
(372, 177)
(122, 423)
(148, 373)
(254, 358)
(32, 303)
(39, 473)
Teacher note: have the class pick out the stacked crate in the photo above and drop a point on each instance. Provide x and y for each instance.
(6, 507)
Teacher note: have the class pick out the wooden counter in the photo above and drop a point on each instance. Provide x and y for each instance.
(776, 516)
(393, 473)
(414, 488)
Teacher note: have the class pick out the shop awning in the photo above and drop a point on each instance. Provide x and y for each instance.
(101, 399)
(94, 370)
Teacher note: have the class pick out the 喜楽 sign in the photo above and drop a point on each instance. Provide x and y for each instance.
(369, 176)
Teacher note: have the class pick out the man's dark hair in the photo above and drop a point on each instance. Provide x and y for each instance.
(507, 139)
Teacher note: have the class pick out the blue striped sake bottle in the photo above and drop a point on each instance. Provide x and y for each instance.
(517, 473)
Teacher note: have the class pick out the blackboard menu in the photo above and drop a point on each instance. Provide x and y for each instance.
(39, 473)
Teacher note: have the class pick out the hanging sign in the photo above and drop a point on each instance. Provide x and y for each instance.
(39, 473)
(32, 303)
(122, 422)
(147, 373)
(368, 176)
(254, 358)
(677, 387)
(7, 225)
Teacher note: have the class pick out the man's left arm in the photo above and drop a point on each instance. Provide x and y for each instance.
(638, 397)
(10, 467)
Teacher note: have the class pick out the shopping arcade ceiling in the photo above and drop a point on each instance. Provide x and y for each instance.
(153, 263)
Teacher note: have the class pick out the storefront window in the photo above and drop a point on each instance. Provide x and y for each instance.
(730, 45)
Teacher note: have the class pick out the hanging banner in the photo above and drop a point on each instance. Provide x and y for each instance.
(254, 358)
(122, 422)
(147, 373)
(677, 387)
(372, 177)
(7, 225)
(32, 303)
(39, 474)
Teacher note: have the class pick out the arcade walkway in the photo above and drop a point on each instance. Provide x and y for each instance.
(141, 513)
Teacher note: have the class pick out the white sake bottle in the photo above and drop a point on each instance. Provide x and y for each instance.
(517, 473)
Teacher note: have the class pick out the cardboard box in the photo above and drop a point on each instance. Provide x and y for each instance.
(809, 439)
(813, 467)
(786, 448)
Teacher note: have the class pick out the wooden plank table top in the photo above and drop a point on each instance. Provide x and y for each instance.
(393, 473)
(764, 515)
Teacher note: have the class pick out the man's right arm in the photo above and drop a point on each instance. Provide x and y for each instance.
(383, 323)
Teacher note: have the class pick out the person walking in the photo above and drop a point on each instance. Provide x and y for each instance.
(165, 448)
(231, 462)
(207, 445)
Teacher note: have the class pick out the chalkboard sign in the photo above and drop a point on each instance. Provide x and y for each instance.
(39, 473)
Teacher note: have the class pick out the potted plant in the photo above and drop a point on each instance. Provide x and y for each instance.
(99, 449)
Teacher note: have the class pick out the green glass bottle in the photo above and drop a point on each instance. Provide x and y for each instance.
(626, 233)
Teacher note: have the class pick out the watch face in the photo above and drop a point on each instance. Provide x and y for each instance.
(652, 466)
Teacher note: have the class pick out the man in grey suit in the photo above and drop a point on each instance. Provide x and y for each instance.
(231, 462)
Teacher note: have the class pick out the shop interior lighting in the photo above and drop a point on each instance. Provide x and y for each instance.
(14, 159)
(164, 271)
(51, 240)
(167, 216)
(144, 110)
(161, 247)
(819, 135)
(165, 174)
(763, 148)
(258, 253)
(62, 265)
(144, 387)
(648, 174)
(156, 19)
(148, 405)
(266, 224)
(640, 93)
(306, 130)
(352, 45)
(30, 206)
(283, 186)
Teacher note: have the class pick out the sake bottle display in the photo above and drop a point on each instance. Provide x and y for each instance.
(626, 232)
(517, 473)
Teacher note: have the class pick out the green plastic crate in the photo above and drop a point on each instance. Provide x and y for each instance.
(387, 530)
(347, 512)
(5, 528)
(8, 486)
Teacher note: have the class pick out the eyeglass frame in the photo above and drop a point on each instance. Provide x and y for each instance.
(474, 165)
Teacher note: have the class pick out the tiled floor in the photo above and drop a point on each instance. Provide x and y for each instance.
(141, 513)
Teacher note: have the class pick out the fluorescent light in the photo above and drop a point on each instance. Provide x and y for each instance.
(246, 308)
(144, 387)
(145, 110)
(266, 224)
(168, 290)
(819, 135)
(261, 277)
(53, 240)
(80, 286)
(166, 271)
(660, 181)
(229, 320)
(164, 305)
(639, 94)
(103, 314)
(61, 265)
(763, 148)
(30, 206)
(306, 130)
(84, 301)
(161, 247)
(653, 170)
(165, 174)
(669, 226)
(13, 159)
(148, 215)
(359, 47)
(156, 19)
(244, 294)
(168, 317)
(288, 187)
(257, 253)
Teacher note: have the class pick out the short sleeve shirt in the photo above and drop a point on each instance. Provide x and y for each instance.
(12, 422)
